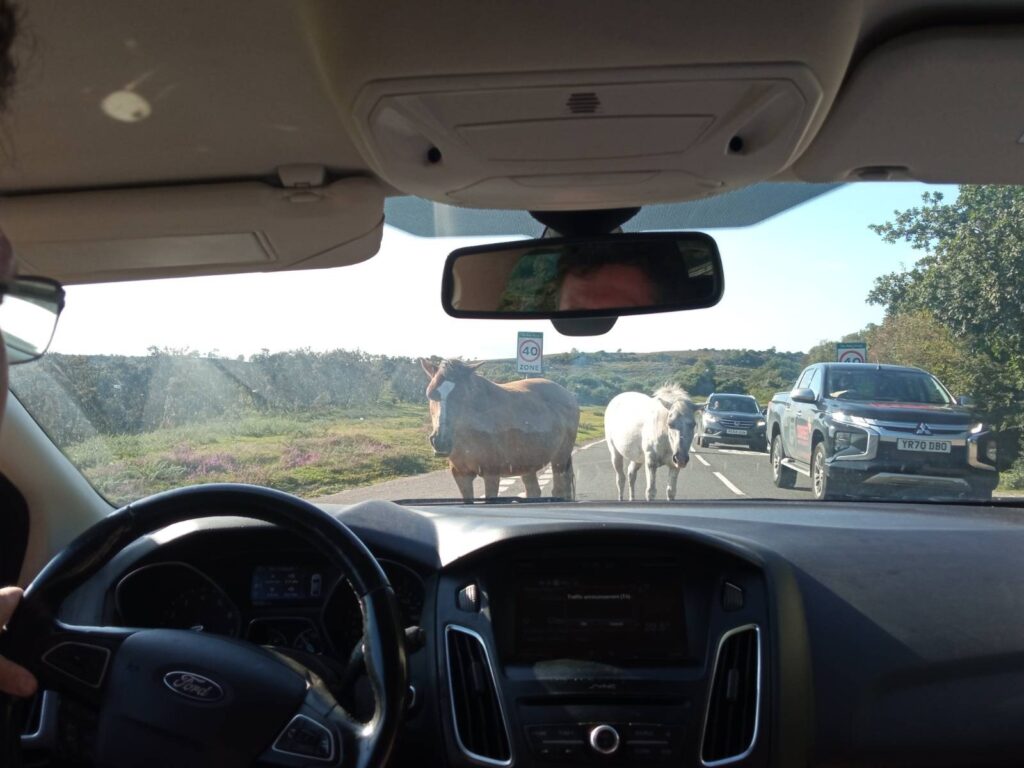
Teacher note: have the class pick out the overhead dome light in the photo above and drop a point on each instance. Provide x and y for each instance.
(126, 107)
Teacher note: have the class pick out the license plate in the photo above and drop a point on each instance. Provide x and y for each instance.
(735, 431)
(927, 446)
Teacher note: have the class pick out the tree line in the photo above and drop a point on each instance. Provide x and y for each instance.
(77, 396)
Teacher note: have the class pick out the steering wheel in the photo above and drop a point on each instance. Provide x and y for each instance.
(179, 697)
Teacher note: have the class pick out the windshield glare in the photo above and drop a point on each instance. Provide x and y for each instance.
(888, 386)
(736, 404)
(351, 384)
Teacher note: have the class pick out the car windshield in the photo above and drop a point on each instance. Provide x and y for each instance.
(735, 404)
(352, 383)
(888, 386)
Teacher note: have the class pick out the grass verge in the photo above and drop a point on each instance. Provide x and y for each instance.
(310, 454)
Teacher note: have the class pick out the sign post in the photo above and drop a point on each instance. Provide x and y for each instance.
(852, 352)
(530, 352)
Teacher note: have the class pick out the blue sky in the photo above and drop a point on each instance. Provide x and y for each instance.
(791, 281)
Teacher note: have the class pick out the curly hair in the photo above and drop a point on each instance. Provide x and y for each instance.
(8, 66)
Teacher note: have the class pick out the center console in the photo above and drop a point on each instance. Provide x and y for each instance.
(633, 652)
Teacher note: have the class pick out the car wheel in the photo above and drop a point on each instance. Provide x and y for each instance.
(782, 476)
(823, 487)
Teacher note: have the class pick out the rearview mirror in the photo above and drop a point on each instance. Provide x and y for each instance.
(603, 276)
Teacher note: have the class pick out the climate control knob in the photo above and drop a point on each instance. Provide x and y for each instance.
(604, 739)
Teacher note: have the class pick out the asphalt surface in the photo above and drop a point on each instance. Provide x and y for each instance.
(719, 472)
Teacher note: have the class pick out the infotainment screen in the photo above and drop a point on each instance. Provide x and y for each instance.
(274, 584)
(599, 610)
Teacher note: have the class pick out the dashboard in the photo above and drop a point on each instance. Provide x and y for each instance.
(767, 634)
(281, 599)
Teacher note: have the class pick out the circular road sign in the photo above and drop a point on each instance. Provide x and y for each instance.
(529, 350)
(852, 356)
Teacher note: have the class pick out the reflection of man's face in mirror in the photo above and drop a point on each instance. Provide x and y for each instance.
(608, 286)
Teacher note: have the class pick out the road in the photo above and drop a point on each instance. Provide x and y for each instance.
(713, 473)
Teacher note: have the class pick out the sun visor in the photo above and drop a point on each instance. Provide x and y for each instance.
(96, 236)
(593, 139)
(940, 106)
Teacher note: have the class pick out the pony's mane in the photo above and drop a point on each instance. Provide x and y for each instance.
(456, 369)
(670, 394)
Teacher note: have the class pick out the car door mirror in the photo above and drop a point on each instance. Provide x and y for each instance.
(803, 395)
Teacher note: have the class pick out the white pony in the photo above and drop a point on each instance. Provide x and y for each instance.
(650, 430)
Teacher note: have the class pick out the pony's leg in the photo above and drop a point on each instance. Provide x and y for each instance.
(491, 485)
(634, 470)
(620, 475)
(673, 476)
(563, 479)
(651, 465)
(465, 482)
(532, 485)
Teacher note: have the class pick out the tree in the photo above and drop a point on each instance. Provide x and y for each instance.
(825, 350)
(701, 378)
(970, 279)
(917, 338)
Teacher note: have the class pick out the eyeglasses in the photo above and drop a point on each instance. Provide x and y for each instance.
(29, 308)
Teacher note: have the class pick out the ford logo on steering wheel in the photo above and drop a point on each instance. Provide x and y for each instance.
(194, 686)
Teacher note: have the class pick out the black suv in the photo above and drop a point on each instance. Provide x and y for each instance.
(878, 430)
(731, 418)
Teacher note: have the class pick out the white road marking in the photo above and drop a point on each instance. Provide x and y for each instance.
(701, 459)
(729, 485)
(545, 477)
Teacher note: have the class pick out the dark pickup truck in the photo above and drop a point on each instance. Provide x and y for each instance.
(878, 430)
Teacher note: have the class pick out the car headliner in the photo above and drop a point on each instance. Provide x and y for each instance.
(199, 106)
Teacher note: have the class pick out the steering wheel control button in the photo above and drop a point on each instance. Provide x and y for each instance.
(84, 662)
(304, 737)
(468, 599)
(604, 739)
(732, 597)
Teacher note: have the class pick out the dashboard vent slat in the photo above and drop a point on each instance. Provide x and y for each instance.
(733, 712)
(478, 718)
(585, 103)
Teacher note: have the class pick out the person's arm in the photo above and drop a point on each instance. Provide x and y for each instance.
(15, 680)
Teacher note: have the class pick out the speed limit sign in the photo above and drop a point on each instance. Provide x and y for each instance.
(530, 352)
(852, 352)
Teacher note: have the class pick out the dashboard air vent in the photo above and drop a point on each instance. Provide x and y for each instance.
(479, 721)
(583, 103)
(730, 726)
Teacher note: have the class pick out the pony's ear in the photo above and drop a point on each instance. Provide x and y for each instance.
(474, 366)
(428, 367)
